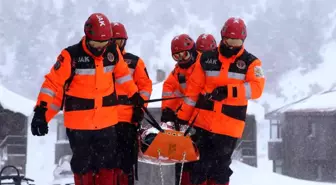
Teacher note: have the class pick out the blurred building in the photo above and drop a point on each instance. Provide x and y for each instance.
(13, 140)
(160, 75)
(302, 137)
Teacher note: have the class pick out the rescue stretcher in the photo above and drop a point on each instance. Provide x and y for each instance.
(168, 145)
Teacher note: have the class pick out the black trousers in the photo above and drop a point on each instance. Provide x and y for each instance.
(93, 149)
(215, 157)
(127, 145)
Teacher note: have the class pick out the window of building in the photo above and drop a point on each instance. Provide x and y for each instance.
(277, 166)
(319, 173)
(311, 129)
(275, 129)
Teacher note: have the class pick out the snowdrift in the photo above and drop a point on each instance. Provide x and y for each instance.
(14, 102)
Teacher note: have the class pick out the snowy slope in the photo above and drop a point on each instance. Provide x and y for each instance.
(15, 102)
(296, 85)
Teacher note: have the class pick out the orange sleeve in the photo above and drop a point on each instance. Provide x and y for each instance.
(253, 86)
(54, 107)
(196, 84)
(123, 76)
(52, 88)
(170, 89)
(142, 80)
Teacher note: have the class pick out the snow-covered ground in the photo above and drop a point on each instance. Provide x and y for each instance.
(247, 175)
(12, 101)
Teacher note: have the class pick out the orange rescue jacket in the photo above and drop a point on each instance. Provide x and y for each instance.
(90, 100)
(141, 78)
(175, 86)
(243, 76)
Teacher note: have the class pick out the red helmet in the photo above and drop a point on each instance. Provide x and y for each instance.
(182, 43)
(118, 31)
(234, 28)
(97, 27)
(205, 42)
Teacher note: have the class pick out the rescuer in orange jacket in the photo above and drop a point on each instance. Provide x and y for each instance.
(84, 76)
(129, 116)
(184, 52)
(206, 42)
(218, 91)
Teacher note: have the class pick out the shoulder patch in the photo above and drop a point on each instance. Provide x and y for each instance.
(111, 56)
(258, 72)
(242, 63)
(60, 59)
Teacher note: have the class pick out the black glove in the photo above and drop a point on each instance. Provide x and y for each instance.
(168, 115)
(138, 114)
(219, 93)
(39, 125)
(137, 100)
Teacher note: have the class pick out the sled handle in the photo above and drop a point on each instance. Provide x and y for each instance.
(10, 166)
(17, 179)
(153, 122)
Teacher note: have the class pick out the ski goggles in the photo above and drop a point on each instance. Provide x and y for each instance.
(182, 56)
(120, 42)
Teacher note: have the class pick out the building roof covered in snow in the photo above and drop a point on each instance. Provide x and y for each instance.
(253, 107)
(14, 102)
(321, 102)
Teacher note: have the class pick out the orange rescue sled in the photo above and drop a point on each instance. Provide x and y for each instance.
(172, 146)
